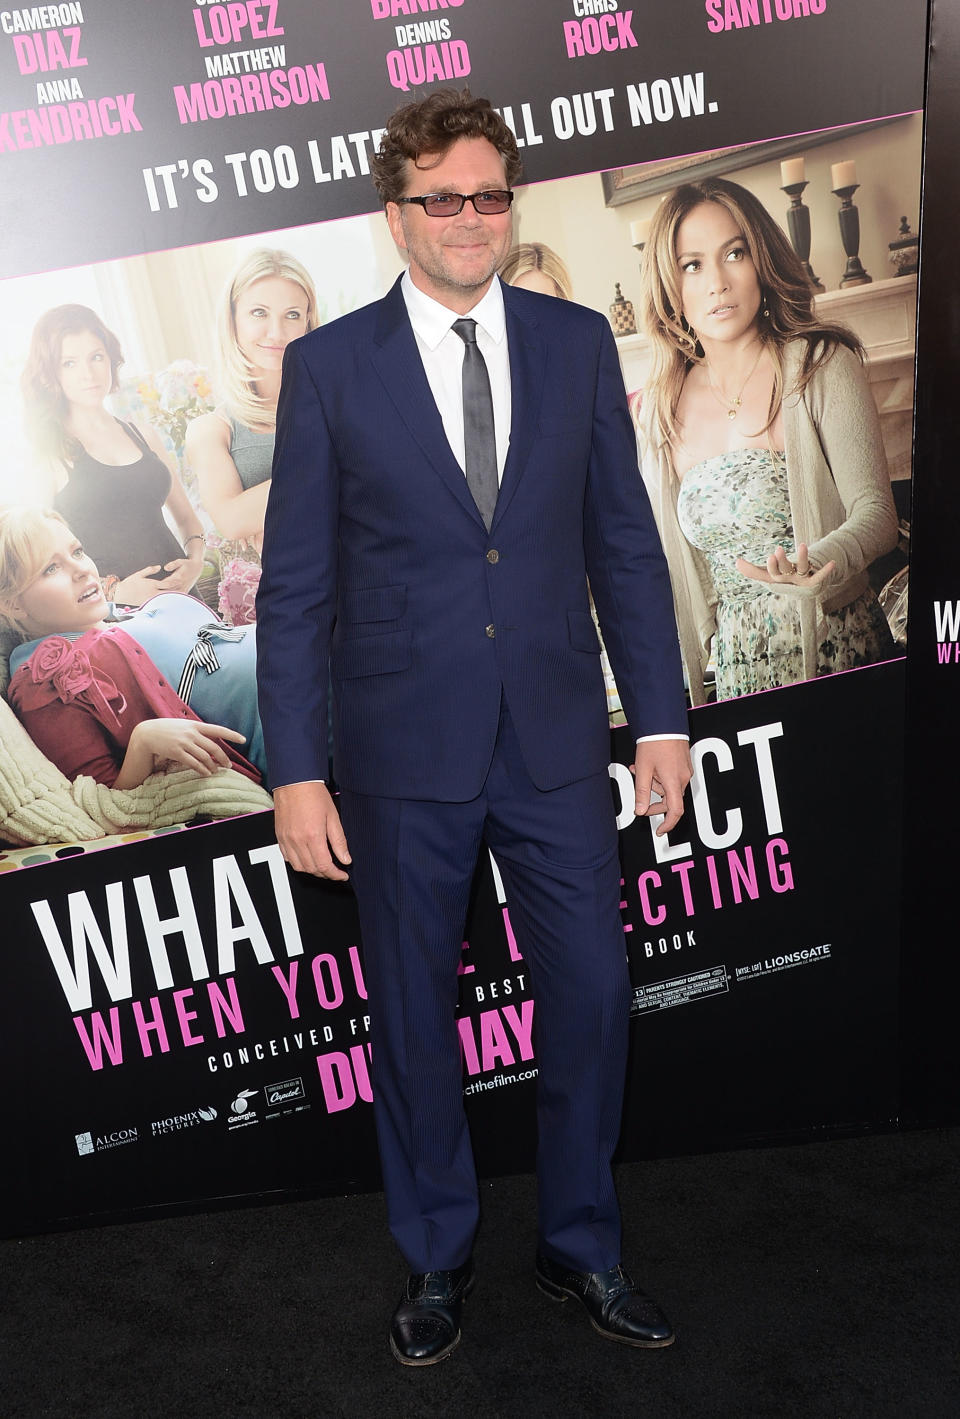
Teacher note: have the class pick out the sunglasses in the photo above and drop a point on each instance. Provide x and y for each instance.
(450, 204)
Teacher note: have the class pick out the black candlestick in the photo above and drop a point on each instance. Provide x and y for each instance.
(798, 224)
(854, 274)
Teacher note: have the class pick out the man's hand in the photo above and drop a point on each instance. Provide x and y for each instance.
(662, 766)
(309, 830)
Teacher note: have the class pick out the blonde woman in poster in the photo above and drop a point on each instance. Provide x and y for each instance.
(534, 266)
(762, 450)
(111, 480)
(96, 689)
(269, 301)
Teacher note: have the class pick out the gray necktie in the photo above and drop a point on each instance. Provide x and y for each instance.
(479, 440)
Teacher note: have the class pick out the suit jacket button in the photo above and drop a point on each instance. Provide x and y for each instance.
(491, 631)
(493, 556)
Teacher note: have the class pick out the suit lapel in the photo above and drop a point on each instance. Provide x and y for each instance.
(397, 361)
(527, 373)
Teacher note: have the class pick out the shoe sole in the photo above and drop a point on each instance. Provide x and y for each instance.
(563, 1293)
(431, 1359)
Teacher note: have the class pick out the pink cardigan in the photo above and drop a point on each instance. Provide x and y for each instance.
(80, 701)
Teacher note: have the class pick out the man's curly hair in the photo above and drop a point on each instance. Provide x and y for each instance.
(428, 128)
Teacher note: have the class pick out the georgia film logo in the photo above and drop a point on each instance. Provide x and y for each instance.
(88, 1143)
(242, 1111)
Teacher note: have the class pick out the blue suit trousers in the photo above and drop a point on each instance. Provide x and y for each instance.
(413, 866)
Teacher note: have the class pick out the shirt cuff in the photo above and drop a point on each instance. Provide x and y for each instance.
(648, 738)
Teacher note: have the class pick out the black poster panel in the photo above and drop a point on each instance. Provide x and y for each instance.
(188, 1021)
(762, 942)
(931, 966)
(181, 1012)
(764, 951)
(131, 128)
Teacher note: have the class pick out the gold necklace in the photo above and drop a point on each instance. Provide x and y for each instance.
(732, 406)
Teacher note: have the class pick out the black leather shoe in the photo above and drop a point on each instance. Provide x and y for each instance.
(426, 1323)
(617, 1308)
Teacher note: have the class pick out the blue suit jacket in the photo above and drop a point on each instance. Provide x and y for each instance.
(377, 563)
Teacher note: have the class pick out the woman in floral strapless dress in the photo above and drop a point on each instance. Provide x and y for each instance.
(737, 504)
(762, 450)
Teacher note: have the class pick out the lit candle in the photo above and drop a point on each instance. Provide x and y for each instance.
(843, 175)
(640, 231)
(792, 171)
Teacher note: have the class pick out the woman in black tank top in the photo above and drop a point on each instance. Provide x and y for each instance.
(110, 480)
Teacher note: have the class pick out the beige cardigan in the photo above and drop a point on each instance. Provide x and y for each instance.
(840, 503)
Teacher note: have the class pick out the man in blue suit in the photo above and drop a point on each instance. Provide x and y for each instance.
(452, 463)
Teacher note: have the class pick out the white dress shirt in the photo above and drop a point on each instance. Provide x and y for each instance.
(441, 351)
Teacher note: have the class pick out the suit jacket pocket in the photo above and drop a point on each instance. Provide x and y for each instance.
(378, 654)
(364, 605)
(583, 633)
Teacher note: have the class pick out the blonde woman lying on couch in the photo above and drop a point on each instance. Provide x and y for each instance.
(120, 697)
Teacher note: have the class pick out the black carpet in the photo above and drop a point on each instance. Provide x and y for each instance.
(819, 1281)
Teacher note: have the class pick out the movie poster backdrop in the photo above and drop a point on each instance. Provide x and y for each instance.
(187, 1017)
(930, 980)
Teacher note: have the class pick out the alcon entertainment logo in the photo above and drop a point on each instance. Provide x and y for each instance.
(90, 1143)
